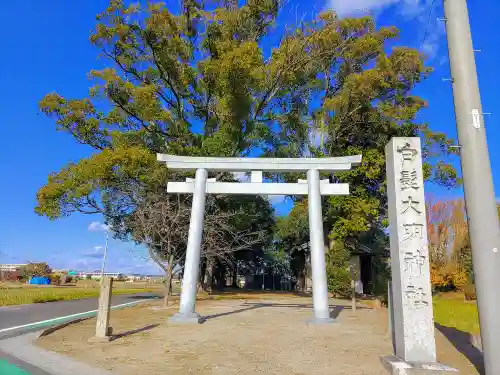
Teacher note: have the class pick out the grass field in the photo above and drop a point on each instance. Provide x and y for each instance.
(19, 294)
(452, 310)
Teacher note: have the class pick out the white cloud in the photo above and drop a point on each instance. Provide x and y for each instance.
(407, 8)
(96, 226)
(85, 264)
(421, 11)
(357, 7)
(241, 176)
(95, 252)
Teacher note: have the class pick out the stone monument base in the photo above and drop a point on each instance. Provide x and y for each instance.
(192, 318)
(100, 340)
(396, 366)
(318, 321)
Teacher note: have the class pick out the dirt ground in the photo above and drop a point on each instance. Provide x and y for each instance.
(242, 337)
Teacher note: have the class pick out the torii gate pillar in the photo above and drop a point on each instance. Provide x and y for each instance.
(201, 185)
(316, 238)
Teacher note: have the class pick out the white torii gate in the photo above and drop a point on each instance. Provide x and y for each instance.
(201, 185)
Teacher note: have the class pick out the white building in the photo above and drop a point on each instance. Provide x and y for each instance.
(97, 274)
(11, 267)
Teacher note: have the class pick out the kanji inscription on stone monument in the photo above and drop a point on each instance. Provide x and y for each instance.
(412, 295)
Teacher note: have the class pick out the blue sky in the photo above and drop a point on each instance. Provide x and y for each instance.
(46, 49)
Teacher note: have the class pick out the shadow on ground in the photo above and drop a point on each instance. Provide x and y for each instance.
(461, 342)
(134, 331)
(152, 296)
(334, 312)
(232, 291)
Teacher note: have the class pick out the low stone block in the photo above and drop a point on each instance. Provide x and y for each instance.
(396, 366)
(193, 318)
(316, 321)
(475, 341)
(99, 340)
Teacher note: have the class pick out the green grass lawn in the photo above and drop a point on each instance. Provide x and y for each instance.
(25, 295)
(452, 310)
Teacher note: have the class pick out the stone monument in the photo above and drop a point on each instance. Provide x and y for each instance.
(103, 330)
(412, 322)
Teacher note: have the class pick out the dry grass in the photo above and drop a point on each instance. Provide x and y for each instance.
(245, 336)
(19, 294)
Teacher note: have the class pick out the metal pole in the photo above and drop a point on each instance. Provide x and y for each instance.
(317, 240)
(193, 252)
(105, 255)
(484, 228)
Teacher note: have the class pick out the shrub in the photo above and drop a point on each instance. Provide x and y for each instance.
(470, 292)
(337, 270)
(69, 279)
(10, 276)
(339, 281)
(55, 279)
(47, 299)
(37, 269)
(448, 277)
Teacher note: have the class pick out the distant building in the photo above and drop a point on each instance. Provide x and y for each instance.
(12, 267)
(134, 277)
(64, 272)
(97, 274)
(131, 277)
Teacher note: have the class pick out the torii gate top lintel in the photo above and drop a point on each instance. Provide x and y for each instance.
(228, 164)
(201, 185)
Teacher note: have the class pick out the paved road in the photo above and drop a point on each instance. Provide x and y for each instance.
(12, 316)
(20, 315)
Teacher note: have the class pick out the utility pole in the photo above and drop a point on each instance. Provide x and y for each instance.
(105, 255)
(484, 228)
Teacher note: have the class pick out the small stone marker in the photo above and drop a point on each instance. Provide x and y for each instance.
(102, 329)
(411, 294)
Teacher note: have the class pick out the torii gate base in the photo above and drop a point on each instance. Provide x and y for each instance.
(202, 185)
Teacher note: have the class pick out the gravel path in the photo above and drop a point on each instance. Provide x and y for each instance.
(242, 337)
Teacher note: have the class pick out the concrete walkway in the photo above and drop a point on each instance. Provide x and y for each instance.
(17, 323)
(10, 365)
(24, 358)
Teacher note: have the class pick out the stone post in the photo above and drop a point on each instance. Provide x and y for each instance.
(319, 288)
(102, 329)
(411, 294)
(187, 312)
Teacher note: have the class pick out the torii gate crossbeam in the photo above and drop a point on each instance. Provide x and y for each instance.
(313, 187)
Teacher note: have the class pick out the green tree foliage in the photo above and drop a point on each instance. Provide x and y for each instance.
(199, 82)
(37, 269)
(365, 98)
(185, 83)
(337, 270)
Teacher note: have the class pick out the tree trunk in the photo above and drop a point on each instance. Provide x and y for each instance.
(208, 275)
(168, 283)
(221, 275)
(201, 279)
(234, 283)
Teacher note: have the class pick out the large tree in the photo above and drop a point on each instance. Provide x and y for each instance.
(161, 223)
(198, 81)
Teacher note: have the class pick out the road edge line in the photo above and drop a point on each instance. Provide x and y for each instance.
(67, 318)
